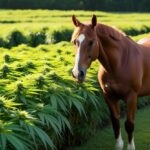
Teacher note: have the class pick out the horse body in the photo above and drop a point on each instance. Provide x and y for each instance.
(124, 72)
(115, 80)
(144, 41)
(132, 70)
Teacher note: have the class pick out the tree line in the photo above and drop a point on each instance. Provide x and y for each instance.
(104, 5)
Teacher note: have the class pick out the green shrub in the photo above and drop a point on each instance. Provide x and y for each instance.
(62, 35)
(37, 38)
(16, 38)
(132, 31)
(2, 43)
(5, 71)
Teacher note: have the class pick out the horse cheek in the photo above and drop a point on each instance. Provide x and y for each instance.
(95, 53)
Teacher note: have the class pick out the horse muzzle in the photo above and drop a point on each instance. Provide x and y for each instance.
(79, 74)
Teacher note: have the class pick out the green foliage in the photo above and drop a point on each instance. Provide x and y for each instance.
(101, 139)
(41, 106)
(16, 38)
(40, 99)
(37, 27)
(37, 38)
(63, 35)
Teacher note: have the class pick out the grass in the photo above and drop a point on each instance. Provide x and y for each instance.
(32, 20)
(35, 27)
(104, 139)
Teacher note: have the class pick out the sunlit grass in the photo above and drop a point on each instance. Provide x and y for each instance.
(104, 139)
(32, 20)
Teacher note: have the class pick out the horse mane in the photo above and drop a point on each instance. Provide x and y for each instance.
(102, 30)
(75, 34)
(113, 32)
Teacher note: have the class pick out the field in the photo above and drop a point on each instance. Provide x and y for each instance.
(44, 27)
(41, 106)
(104, 139)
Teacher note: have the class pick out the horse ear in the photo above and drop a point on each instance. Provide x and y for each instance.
(75, 21)
(94, 21)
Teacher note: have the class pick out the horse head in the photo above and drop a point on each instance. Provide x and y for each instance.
(86, 45)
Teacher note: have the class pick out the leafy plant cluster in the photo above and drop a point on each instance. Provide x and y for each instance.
(33, 39)
(41, 106)
(16, 37)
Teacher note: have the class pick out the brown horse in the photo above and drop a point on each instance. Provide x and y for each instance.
(124, 72)
(145, 41)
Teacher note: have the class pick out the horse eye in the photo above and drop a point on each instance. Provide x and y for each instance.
(76, 42)
(90, 43)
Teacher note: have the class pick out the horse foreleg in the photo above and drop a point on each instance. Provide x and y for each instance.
(129, 124)
(114, 107)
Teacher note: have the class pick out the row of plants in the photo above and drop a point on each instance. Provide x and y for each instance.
(34, 39)
(43, 36)
(41, 106)
(39, 102)
(35, 27)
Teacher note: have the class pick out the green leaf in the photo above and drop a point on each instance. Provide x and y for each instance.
(3, 141)
(44, 137)
(16, 142)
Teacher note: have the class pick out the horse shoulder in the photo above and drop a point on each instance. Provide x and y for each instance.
(111, 85)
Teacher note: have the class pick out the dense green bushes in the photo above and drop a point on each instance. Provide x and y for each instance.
(16, 37)
(39, 102)
(41, 106)
(34, 39)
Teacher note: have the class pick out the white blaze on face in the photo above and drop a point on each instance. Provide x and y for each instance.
(77, 58)
(119, 143)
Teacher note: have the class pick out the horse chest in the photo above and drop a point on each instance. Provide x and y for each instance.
(112, 86)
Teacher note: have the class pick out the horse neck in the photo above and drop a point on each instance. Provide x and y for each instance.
(112, 47)
(110, 53)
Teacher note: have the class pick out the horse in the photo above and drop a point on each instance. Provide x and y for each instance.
(144, 41)
(124, 72)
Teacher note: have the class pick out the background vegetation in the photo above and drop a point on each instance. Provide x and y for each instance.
(44, 27)
(116, 5)
(41, 106)
(102, 138)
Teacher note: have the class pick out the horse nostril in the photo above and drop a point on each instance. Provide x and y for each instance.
(81, 74)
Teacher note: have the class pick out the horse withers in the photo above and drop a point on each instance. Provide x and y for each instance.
(124, 72)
